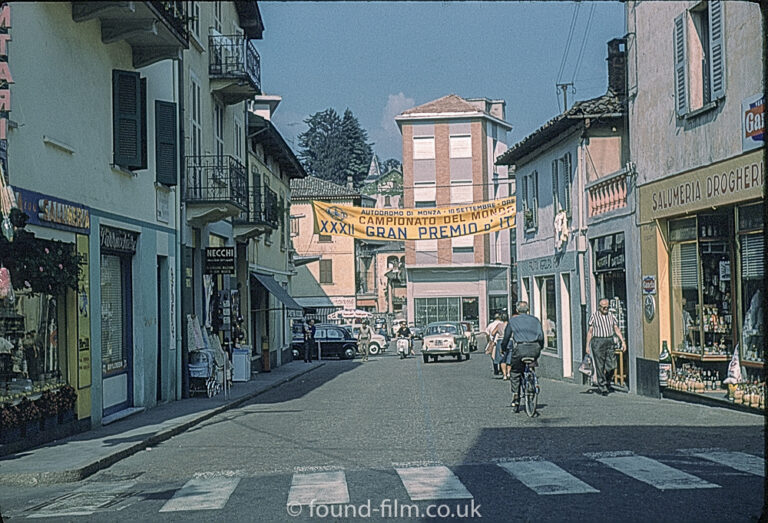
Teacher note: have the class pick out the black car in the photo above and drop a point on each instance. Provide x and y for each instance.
(334, 340)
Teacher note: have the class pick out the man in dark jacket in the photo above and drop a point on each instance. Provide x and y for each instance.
(522, 328)
(309, 340)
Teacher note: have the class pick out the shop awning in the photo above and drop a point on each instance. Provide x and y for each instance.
(276, 290)
(314, 301)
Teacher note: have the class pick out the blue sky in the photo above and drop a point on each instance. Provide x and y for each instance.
(381, 58)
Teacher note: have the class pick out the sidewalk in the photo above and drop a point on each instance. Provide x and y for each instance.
(79, 456)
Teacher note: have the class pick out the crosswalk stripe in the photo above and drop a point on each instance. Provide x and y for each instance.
(318, 488)
(655, 473)
(736, 460)
(545, 478)
(202, 494)
(433, 482)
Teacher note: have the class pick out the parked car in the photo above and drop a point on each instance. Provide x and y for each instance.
(417, 332)
(335, 341)
(378, 342)
(470, 334)
(444, 338)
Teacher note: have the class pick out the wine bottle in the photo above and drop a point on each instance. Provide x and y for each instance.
(665, 365)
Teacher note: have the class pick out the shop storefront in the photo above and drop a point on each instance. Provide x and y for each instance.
(609, 272)
(42, 344)
(703, 243)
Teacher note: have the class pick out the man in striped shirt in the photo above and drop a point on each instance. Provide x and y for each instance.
(602, 326)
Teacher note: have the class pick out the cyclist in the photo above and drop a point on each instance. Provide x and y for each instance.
(523, 337)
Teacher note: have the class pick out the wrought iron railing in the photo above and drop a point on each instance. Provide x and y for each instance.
(215, 179)
(234, 56)
(271, 208)
(257, 212)
(175, 13)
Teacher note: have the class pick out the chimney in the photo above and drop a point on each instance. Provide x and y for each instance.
(350, 183)
(617, 66)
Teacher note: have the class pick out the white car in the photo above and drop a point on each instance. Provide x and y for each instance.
(444, 338)
(378, 342)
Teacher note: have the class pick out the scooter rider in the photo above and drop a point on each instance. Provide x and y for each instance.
(405, 332)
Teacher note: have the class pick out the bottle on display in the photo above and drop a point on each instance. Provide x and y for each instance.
(665, 365)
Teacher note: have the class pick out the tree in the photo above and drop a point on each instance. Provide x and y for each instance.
(335, 147)
(390, 164)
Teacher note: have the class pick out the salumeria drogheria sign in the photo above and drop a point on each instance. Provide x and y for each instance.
(724, 183)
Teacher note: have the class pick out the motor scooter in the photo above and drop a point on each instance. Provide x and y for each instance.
(403, 346)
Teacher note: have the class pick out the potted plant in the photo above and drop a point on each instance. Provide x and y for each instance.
(67, 398)
(29, 416)
(10, 430)
(48, 405)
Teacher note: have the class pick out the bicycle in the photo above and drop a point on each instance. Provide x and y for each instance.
(529, 388)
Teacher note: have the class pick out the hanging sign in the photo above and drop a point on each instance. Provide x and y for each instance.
(220, 260)
(435, 223)
(5, 82)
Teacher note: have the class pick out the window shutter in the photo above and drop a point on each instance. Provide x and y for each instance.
(567, 184)
(681, 80)
(524, 192)
(166, 157)
(143, 127)
(535, 198)
(752, 257)
(126, 118)
(717, 56)
(555, 188)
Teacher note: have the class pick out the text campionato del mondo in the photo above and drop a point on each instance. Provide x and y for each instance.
(434, 223)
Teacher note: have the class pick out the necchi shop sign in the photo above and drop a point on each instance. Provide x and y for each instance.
(220, 260)
(725, 183)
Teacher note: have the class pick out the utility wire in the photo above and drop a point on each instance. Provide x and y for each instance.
(568, 41)
(583, 42)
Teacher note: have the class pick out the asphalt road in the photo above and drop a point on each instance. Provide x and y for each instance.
(400, 439)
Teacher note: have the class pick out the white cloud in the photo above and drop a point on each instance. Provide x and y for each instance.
(387, 137)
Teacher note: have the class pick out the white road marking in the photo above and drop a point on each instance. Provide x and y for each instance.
(434, 482)
(655, 473)
(545, 478)
(202, 494)
(318, 488)
(735, 460)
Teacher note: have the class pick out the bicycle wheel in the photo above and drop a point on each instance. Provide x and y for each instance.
(531, 394)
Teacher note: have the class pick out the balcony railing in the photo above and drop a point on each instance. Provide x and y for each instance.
(607, 194)
(262, 209)
(216, 179)
(175, 14)
(234, 56)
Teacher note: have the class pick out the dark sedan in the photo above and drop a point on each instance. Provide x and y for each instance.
(333, 340)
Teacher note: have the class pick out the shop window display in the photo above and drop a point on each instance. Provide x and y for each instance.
(752, 261)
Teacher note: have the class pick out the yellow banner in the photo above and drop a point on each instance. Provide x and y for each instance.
(434, 223)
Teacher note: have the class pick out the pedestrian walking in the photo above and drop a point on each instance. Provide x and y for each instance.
(309, 340)
(364, 339)
(602, 327)
(500, 356)
(490, 348)
(521, 329)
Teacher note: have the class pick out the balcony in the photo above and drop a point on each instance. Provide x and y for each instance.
(234, 67)
(155, 31)
(261, 216)
(216, 189)
(607, 194)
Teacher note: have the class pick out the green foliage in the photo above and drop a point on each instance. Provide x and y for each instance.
(44, 266)
(335, 147)
(390, 164)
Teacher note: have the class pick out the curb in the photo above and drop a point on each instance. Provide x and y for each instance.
(69, 476)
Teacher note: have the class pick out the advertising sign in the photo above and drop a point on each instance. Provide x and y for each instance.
(649, 284)
(434, 223)
(753, 122)
(220, 260)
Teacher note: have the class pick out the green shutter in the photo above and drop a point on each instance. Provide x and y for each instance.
(126, 118)
(567, 176)
(717, 56)
(143, 115)
(555, 199)
(166, 155)
(681, 65)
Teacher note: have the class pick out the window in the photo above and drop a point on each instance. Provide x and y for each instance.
(461, 192)
(699, 57)
(194, 11)
(461, 146)
(295, 226)
(326, 271)
(283, 229)
(196, 120)
(387, 201)
(217, 16)
(115, 313)
(428, 310)
(530, 201)
(424, 148)
(166, 153)
(218, 128)
(129, 120)
(424, 205)
(561, 184)
(548, 311)
(463, 249)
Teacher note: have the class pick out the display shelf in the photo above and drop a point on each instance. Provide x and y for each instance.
(749, 363)
(689, 355)
(714, 358)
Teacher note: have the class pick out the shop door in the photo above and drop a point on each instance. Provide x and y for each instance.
(116, 333)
